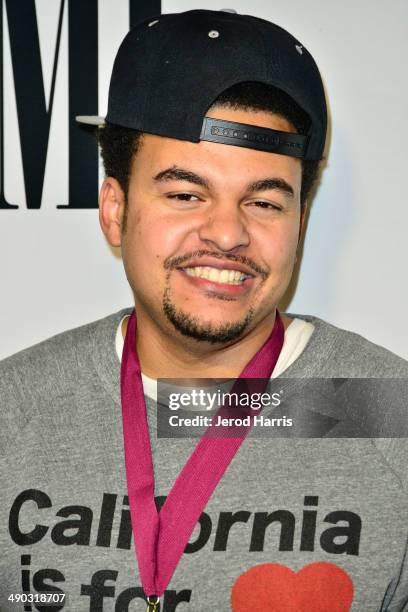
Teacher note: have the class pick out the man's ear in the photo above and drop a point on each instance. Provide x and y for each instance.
(111, 210)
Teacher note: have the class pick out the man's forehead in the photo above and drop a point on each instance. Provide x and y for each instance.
(214, 163)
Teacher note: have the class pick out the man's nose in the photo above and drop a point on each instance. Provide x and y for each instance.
(225, 227)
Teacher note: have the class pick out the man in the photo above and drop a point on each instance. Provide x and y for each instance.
(215, 128)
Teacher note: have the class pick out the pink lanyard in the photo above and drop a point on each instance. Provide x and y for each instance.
(161, 537)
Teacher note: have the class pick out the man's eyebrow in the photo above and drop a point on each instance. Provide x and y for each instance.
(180, 174)
(272, 183)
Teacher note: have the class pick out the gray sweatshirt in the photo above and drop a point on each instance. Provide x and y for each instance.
(312, 525)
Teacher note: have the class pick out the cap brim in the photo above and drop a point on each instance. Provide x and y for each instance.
(90, 119)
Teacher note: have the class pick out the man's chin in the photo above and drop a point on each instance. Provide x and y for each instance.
(213, 332)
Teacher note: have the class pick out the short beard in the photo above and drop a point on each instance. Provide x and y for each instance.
(189, 325)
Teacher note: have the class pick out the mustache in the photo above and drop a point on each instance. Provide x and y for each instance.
(176, 262)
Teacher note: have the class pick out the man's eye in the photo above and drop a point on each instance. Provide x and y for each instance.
(184, 197)
(265, 205)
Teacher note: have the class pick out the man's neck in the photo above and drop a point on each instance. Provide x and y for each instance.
(165, 357)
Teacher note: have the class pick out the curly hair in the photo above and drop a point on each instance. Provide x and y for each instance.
(119, 144)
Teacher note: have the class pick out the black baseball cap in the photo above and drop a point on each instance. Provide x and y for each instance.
(170, 69)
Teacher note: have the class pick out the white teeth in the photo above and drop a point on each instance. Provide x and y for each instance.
(224, 276)
(228, 277)
(214, 275)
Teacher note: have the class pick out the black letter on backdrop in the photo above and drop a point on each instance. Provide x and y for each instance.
(33, 116)
(83, 100)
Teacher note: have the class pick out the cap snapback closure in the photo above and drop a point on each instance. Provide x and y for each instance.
(253, 137)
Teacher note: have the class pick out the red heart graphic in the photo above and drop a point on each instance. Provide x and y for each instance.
(318, 587)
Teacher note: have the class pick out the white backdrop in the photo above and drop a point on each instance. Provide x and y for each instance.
(57, 270)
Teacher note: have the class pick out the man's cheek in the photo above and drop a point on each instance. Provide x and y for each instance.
(277, 251)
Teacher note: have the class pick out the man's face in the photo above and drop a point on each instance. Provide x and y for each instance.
(211, 232)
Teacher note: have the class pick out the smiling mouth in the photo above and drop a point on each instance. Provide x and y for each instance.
(216, 275)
